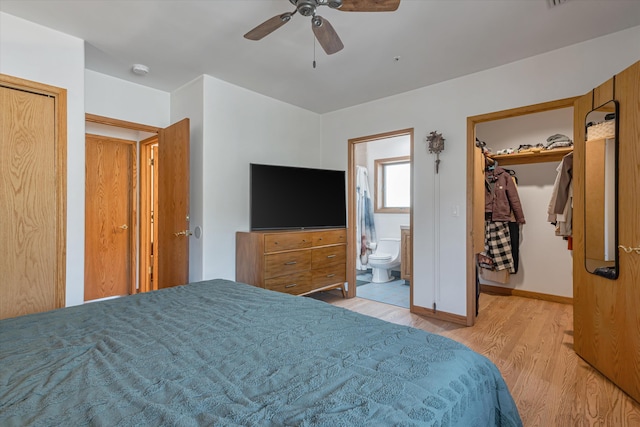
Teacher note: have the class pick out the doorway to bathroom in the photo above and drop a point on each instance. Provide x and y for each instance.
(380, 217)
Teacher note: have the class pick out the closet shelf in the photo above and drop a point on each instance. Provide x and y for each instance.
(554, 155)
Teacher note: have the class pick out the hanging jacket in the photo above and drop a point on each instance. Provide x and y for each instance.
(501, 196)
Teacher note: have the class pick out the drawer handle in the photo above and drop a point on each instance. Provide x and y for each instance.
(291, 285)
(331, 256)
(290, 263)
(330, 275)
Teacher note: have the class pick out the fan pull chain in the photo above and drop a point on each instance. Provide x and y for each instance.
(314, 52)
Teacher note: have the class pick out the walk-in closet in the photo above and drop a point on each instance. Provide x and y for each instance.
(597, 269)
(542, 257)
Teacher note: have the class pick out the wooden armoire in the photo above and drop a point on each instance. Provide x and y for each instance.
(607, 311)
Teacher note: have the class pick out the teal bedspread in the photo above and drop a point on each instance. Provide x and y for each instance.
(227, 354)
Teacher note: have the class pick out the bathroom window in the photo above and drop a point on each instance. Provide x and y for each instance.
(393, 185)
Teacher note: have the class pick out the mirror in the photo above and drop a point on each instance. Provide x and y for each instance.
(601, 191)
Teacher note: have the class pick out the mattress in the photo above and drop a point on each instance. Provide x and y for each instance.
(228, 354)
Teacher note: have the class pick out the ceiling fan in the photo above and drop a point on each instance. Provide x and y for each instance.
(323, 30)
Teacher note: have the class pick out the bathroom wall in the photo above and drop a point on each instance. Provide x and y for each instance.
(387, 224)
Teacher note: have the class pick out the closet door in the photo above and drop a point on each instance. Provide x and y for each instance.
(607, 312)
(30, 258)
(109, 248)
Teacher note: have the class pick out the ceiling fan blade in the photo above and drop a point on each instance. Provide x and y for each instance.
(326, 35)
(369, 5)
(269, 26)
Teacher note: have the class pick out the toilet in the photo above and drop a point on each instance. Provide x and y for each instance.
(384, 259)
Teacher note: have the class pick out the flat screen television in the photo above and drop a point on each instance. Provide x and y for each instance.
(285, 197)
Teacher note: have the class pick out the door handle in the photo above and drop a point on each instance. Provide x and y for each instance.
(183, 233)
(629, 249)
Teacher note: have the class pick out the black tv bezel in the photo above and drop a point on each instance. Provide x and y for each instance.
(297, 227)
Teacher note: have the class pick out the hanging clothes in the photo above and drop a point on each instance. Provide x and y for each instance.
(560, 210)
(514, 234)
(497, 245)
(501, 197)
(502, 207)
(514, 231)
(365, 226)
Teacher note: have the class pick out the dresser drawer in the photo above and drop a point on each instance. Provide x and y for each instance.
(294, 284)
(286, 263)
(330, 237)
(330, 255)
(328, 276)
(287, 241)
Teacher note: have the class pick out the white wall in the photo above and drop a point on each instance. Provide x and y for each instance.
(36, 53)
(188, 101)
(116, 132)
(444, 108)
(545, 263)
(242, 127)
(119, 99)
(387, 224)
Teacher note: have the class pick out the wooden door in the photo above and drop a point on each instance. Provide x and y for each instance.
(32, 193)
(607, 312)
(109, 219)
(172, 216)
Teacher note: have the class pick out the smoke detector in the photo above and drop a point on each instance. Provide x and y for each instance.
(140, 69)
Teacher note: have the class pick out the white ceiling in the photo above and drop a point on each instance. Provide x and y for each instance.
(435, 40)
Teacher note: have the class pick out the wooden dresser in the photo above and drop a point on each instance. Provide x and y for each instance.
(295, 262)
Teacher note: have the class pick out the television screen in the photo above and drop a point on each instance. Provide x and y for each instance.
(285, 197)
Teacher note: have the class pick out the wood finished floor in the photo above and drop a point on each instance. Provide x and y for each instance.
(531, 342)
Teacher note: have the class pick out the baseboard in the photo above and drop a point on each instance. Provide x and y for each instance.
(440, 315)
(499, 290)
(496, 290)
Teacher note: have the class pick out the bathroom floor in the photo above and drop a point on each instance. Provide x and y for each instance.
(395, 292)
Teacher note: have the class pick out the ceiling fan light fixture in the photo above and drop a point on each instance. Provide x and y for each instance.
(322, 29)
(306, 7)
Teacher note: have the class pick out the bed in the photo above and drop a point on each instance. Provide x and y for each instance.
(228, 354)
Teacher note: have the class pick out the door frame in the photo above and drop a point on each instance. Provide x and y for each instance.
(475, 192)
(173, 130)
(137, 268)
(59, 96)
(148, 186)
(351, 221)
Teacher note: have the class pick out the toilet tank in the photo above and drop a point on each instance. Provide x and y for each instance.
(389, 246)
